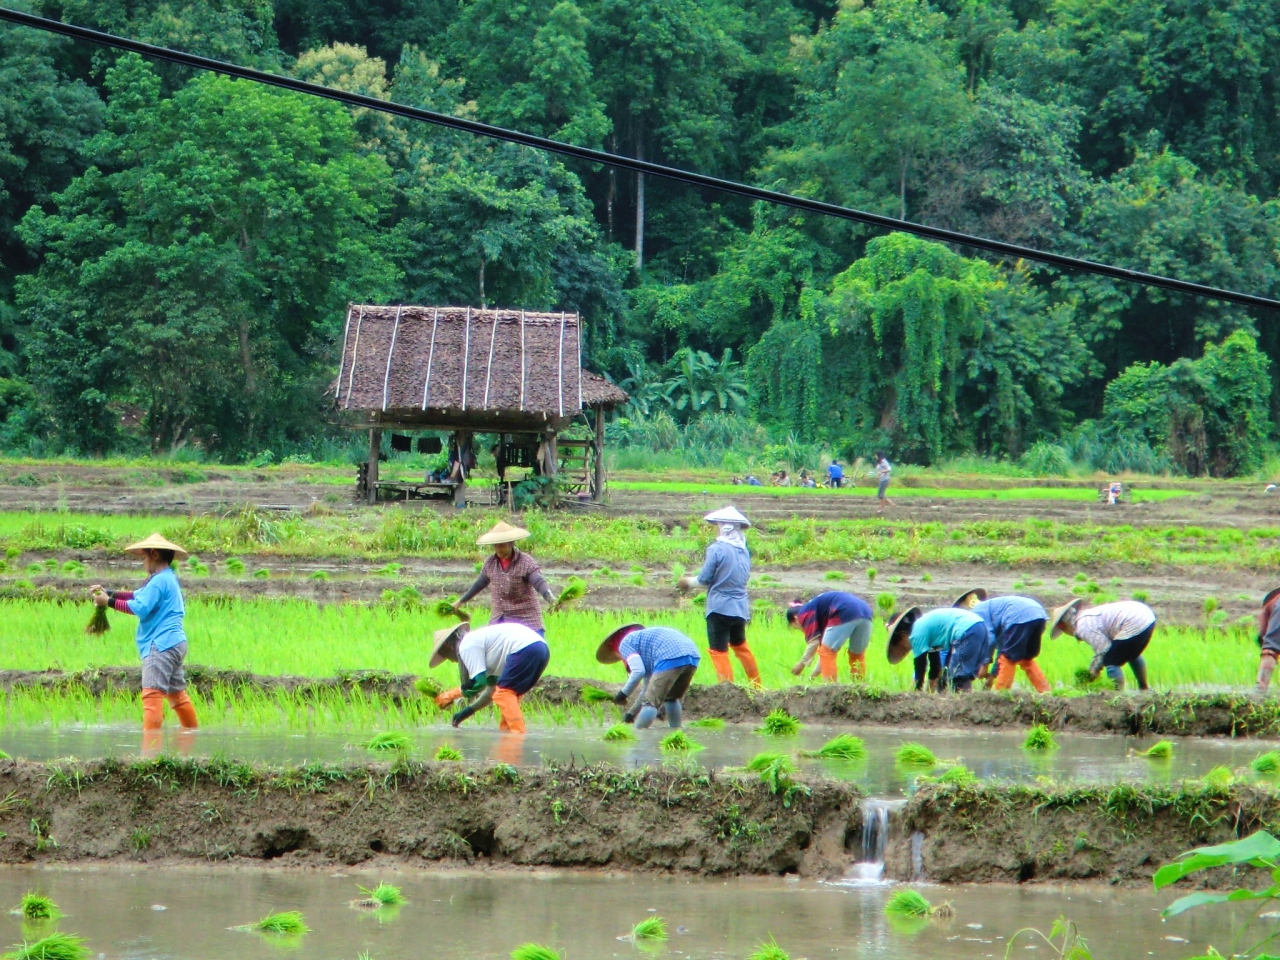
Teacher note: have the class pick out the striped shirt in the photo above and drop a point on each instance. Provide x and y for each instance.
(1101, 626)
(655, 647)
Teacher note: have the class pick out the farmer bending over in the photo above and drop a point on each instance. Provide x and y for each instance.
(1117, 632)
(1017, 629)
(498, 664)
(162, 643)
(959, 632)
(1268, 639)
(828, 621)
(661, 661)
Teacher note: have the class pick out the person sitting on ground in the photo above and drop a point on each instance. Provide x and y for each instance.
(1118, 633)
(835, 475)
(884, 471)
(753, 480)
(661, 662)
(806, 480)
(1268, 639)
(1016, 625)
(960, 633)
(514, 580)
(497, 664)
(780, 479)
(828, 621)
(161, 640)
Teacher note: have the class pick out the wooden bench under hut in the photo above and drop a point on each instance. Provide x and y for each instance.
(513, 374)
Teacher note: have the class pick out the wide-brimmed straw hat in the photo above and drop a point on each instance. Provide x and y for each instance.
(899, 627)
(607, 652)
(727, 515)
(970, 598)
(155, 542)
(1068, 609)
(445, 637)
(502, 533)
(1267, 599)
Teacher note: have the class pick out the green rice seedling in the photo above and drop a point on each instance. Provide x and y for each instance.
(1040, 737)
(446, 607)
(575, 588)
(591, 694)
(36, 906)
(650, 929)
(1162, 750)
(677, 571)
(1141, 596)
(1082, 578)
(1211, 604)
(386, 894)
(262, 574)
(885, 602)
(98, 623)
(959, 775)
(321, 575)
(287, 923)
(678, 742)
(707, 723)
(835, 575)
(389, 570)
(1062, 581)
(927, 578)
(35, 568)
(448, 753)
(636, 579)
(779, 723)
(1266, 763)
(1019, 585)
(389, 741)
(534, 951)
(769, 760)
(428, 686)
(51, 564)
(769, 951)
(908, 903)
(56, 946)
(844, 746)
(619, 733)
(871, 574)
(1220, 778)
(915, 755)
(234, 565)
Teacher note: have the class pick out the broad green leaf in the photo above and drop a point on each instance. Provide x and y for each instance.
(1203, 897)
(1259, 849)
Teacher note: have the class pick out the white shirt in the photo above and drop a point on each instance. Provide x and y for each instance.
(1101, 626)
(486, 650)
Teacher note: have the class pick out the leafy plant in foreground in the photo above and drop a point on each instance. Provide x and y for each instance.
(1070, 945)
(35, 906)
(649, 929)
(619, 733)
(56, 946)
(770, 951)
(1040, 737)
(844, 746)
(779, 723)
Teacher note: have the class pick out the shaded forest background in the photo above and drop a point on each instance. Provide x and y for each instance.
(176, 250)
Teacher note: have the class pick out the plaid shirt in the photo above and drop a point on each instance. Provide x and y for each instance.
(513, 592)
(1101, 626)
(655, 645)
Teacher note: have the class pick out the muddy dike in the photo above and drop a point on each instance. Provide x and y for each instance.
(1116, 834)
(169, 809)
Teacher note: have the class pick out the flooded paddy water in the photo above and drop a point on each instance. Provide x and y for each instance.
(467, 915)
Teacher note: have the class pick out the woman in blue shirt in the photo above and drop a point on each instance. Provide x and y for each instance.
(162, 644)
(725, 574)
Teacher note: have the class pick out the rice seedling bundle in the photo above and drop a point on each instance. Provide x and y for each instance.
(448, 753)
(619, 733)
(287, 923)
(98, 623)
(908, 903)
(678, 742)
(389, 741)
(844, 746)
(534, 951)
(1266, 763)
(1040, 738)
(762, 762)
(707, 723)
(446, 607)
(650, 928)
(428, 686)
(575, 588)
(959, 775)
(595, 695)
(56, 946)
(386, 894)
(1163, 750)
(770, 951)
(35, 906)
(915, 755)
(1219, 777)
(779, 723)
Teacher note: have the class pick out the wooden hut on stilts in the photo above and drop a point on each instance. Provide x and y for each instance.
(514, 374)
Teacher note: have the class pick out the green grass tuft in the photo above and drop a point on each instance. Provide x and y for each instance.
(1266, 763)
(619, 733)
(770, 951)
(835, 575)
(56, 946)
(35, 906)
(534, 951)
(915, 755)
(289, 923)
(1220, 777)
(649, 929)
(908, 903)
(448, 752)
(707, 723)
(389, 741)
(678, 741)
(844, 746)
(1041, 738)
(1162, 750)
(959, 775)
(779, 723)
(386, 894)
(592, 694)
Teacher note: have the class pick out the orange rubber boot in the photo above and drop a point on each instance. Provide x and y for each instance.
(152, 720)
(1035, 675)
(508, 704)
(448, 698)
(827, 661)
(857, 666)
(1004, 677)
(184, 708)
(724, 668)
(1266, 667)
(748, 661)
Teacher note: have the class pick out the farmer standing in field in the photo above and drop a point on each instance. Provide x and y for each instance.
(497, 664)
(884, 472)
(828, 621)
(1118, 633)
(514, 580)
(1268, 639)
(1017, 627)
(659, 660)
(958, 631)
(725, 574)
(162, 643)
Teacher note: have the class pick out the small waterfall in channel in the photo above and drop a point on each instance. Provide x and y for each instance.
(876, 816)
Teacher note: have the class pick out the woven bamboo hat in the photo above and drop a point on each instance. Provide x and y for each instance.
(446, 642)
(1267, 599)
(1066, 612)
(727, 515)
(607, 652)
(900, 634)
(970, 598)
(502, 533)
(155, 542)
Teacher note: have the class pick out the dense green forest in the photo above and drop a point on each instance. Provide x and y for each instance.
(176, 249)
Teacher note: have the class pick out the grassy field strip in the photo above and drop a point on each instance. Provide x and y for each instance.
(1083, 494)
(298, 637)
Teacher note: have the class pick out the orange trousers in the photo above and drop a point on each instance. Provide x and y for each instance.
(1007, 667)
(828, 658)
(724, 666)
(153, 719)
(508, 704)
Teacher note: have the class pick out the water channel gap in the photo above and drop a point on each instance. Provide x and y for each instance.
(876, 821)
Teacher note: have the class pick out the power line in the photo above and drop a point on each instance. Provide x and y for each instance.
(638, 166)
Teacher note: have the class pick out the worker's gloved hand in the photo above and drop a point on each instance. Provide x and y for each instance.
(620, 698)
(630, 716)
(461, 715)
(685, 584)
(797, 669)
(448, 698)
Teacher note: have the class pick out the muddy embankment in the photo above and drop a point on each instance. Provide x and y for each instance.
(1160, 714)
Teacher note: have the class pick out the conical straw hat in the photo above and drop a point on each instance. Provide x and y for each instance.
(607, 652)
(728, 514)
(155, 542)
(900, 634)
(970, 598)
(502, 533)
(1068, 609)
(443, 638)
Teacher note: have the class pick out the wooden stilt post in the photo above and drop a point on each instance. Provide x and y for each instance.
(552, 466)
(375, 448)
(597, 495)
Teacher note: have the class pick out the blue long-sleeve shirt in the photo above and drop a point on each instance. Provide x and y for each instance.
(725, 575)
(1001, 612)
(159, 608)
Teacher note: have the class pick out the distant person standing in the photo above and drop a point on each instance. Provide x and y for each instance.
(835, 475)
(1268, 639)
(884, 470)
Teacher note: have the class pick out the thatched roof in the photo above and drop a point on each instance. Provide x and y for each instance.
(410, 363)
